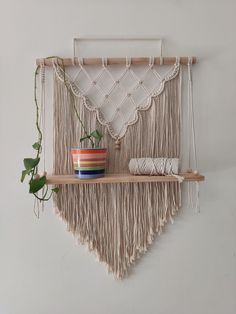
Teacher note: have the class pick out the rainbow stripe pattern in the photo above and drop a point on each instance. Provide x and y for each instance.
(89, 163)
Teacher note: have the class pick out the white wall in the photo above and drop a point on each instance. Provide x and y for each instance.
(192, 268)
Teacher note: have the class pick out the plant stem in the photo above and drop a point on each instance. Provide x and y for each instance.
(40, 134)
(81, 122)
(43, 199)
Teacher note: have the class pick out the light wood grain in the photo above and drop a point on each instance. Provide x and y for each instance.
(98, 61)
(120, 178)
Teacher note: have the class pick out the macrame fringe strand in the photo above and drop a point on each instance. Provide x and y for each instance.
(116, 227)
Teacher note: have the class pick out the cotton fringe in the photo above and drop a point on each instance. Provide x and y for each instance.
(118, 221)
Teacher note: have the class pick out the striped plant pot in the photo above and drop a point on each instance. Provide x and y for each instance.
(89, 163)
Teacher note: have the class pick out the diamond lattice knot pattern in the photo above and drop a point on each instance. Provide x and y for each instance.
(117, 93)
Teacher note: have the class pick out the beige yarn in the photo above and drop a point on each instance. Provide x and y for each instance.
(154, 166)
(118, 221)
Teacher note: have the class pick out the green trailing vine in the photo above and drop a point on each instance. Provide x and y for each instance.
(36, 182)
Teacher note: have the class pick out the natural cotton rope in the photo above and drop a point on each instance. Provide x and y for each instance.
(122, 97)
(155, 166)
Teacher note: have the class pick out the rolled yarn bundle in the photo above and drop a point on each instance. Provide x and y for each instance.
(154, 166)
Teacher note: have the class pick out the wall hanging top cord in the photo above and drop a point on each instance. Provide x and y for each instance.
(160, 60)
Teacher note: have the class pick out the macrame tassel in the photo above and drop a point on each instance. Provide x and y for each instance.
(117, 144)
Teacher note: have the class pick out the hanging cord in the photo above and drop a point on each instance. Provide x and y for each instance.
(193, 187)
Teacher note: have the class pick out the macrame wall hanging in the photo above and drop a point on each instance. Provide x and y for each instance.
(136, 105)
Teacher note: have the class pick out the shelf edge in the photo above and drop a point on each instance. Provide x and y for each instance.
(123, 178)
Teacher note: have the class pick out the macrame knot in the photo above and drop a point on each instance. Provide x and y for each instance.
(128, 62)
(104, 62)
(151, 62)
(117, 144)
(130, 91)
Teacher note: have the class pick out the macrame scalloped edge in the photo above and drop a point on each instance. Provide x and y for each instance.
(64, 76)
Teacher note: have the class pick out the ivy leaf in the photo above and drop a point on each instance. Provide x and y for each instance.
(30, 163)
(56, 189)
(84, 138)
(37, 184)
(23, 174)
(96, 134)
(36, 146)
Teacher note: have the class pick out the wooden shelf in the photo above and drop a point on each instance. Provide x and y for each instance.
(120, 178)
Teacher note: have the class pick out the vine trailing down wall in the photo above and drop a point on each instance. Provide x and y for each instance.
(138, 110)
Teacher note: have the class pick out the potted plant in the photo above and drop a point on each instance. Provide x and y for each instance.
(89, 163)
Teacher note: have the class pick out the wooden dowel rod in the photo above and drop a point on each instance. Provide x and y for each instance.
(98, 61)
